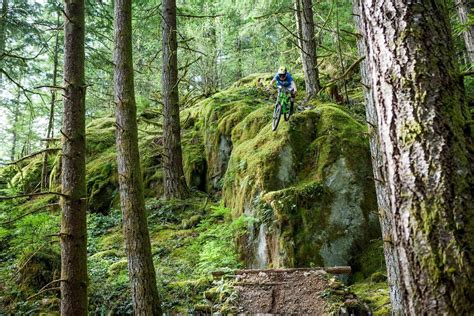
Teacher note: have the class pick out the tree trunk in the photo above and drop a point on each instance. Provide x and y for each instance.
(464, 8)
(385, 216)
(305, 23)
(426, 148)
(16, 114)
(135, 228)
(3, 31)
(49, 133)
(174, 180)
(238, 42)
(299, 31)
(73, 223)
(341, 59)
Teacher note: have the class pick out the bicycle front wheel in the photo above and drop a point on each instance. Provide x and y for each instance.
(276, 116)
(287, 113)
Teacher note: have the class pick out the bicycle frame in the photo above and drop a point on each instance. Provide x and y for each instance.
(284, 99)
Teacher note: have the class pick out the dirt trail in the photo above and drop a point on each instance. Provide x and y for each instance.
(285, 291)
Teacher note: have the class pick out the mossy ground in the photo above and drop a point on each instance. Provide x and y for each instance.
(229, 151)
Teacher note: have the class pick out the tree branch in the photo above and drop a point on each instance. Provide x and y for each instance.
(27, 213)
(5, 198)
(345, 74)
(32, 155)
(199, 16)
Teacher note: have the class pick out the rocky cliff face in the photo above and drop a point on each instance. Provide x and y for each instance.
(307, 186)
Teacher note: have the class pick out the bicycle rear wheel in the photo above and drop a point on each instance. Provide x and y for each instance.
(276, 116)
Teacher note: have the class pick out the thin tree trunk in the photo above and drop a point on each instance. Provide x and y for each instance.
(305, 23)
(339, 50)
(26, 149)
(49, 133)
(426, 148)
(74, 206)
(299, 32)
(385, 216)
(174, 180)
(135, 228)
(3, 31)
(239, 51)
(464, 8)
(16, 114)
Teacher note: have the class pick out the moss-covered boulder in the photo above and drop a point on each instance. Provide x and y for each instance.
(213, 121)
(307, 185)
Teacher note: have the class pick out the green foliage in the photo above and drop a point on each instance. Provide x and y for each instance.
(184, 256)
(375, 294)
(370, 261)
(215, 241)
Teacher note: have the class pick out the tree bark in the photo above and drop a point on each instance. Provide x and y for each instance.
(16, 114)
(174, 180)
(3, 31)
(464, 8)
(305, 23)
(341, 59)
(73, 222)
(427, 152)
(49, 133)
(385, 216)
(299, 31)
(135, 228)
(238, 45)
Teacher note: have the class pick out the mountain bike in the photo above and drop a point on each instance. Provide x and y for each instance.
(282, 105)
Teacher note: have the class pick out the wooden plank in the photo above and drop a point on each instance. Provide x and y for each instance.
(332, 270)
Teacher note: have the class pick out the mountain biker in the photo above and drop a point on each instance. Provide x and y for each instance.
(284, 79)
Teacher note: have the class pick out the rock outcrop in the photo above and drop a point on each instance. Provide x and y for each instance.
(307, 187)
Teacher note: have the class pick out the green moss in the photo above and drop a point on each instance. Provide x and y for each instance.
(251, 125)
(28, 176)
(38, 268)
(108, 254)
(370, 260)
(194, 160)
(118, 267)
(100, 135)
(410, 133)
(114, 240)
(376, 295)
(102, 182)
(299, 156)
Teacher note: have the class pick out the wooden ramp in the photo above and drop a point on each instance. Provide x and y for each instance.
(285, 291)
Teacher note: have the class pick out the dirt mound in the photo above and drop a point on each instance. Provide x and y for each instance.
(282, 291)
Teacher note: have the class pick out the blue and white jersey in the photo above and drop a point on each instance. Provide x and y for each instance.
(284, 83)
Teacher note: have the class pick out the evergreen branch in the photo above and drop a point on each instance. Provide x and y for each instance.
(467, 73)
(51, 87)
(16, 83)
(271, 14)
(192, 50)
(45, 290)
(199, 16)
(151, 122)
(33, 155)
(189, 64)
(5, 198)
(27, 213)
(345, 74)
